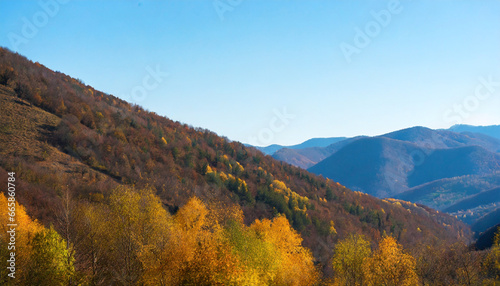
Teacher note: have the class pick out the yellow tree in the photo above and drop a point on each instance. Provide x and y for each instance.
(121, 236)
(292, 257)
(348, 260)
(154, 237)
(41, 256)
(25, 231)
(199, 254)
(390, 266)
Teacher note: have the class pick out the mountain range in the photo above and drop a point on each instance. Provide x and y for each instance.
(311, 143)
(443, 169)
(493, 130)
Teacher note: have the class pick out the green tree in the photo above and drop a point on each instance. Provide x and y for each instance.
(50, 262)
(258, 257)
(348, 259)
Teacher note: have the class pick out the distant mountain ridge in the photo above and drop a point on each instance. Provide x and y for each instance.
(311, 143)
(404, 163)
(403, 159)
(309, 157)
(492, 130)
(312, 151)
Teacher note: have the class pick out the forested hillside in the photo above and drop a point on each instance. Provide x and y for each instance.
(87, 162)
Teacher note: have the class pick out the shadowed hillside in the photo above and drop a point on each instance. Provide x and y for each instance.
(308, 157)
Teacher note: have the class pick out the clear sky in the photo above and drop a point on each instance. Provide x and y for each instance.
(276, 71)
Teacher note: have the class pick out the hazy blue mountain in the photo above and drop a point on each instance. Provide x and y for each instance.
(393, 163)
(420, 136)
(317, 142)
(443, 139)
(375, 165)
(454, 162)
(308, 157)
(493, 130)
(269, 150)
(303, 158)
(314, 142)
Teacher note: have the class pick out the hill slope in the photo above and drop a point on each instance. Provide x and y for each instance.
(443, 193)
(303, 158)
(454, 162)
(487, 197)
(486, 239)
(61, 136)
(359, 165)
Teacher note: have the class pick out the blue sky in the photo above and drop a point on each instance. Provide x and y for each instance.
(276, 71)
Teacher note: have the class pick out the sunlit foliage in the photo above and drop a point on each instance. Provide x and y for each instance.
(390, 265)
(136, 241)
(42, 257)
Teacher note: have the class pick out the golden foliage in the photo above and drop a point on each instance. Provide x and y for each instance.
(281, 188)
(199, 245)
(389, 265)
(292, 257)
(39, 252)
(25, 231)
